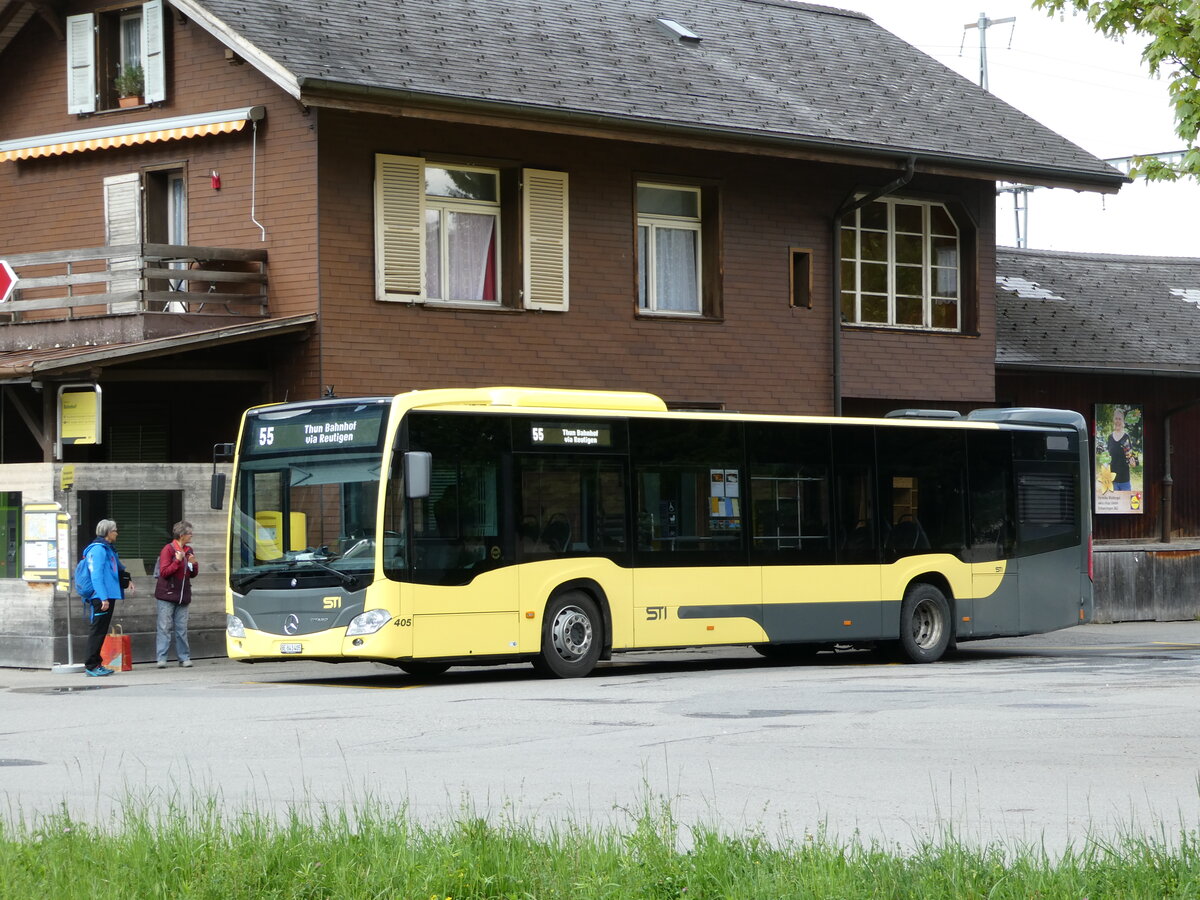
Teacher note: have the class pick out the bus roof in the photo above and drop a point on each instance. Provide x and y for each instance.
(639, 403)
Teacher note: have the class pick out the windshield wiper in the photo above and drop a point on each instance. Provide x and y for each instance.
(292, 567)
(347, 579)
(248, 580)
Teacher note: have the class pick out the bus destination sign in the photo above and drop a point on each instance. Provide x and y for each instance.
(351, 428)
(571, 434)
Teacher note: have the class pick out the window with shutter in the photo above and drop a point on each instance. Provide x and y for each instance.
(123, 225)
(81, 64)
(153, 62)
(116, 53)
(439, 234)
(544, 214)
(399, 227)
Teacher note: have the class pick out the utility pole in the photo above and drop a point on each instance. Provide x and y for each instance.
(1020, 192)
(983, 24)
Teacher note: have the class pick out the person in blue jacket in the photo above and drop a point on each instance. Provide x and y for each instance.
(107, 575)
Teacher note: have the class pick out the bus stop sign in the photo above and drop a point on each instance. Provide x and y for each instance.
(8, 280)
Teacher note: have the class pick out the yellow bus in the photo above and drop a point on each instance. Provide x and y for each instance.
(497, 525)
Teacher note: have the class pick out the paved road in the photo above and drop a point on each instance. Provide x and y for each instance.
(1092, 730)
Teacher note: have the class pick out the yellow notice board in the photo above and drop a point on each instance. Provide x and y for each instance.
(40, 551)
(64, 557)
(79, 414)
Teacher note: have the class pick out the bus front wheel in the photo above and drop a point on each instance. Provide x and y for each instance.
(925, 628)
(571, 636)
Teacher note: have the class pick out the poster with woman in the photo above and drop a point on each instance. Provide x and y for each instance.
(1118, 466)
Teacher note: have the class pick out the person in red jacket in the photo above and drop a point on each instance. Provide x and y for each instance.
(176, 568)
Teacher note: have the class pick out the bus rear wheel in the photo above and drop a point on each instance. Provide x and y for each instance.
(571, 636)
(925, 629)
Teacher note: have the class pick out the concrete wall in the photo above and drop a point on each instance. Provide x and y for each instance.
(26, 610)
(35, 619)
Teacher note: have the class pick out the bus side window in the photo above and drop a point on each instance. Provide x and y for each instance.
(854, 497)
(688, 478)
(570, 504)
(791, 488)
(921, 490)
(989, 495)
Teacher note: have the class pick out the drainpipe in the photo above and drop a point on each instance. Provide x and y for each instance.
(849, 205)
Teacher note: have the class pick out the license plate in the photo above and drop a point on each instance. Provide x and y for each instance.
(291, 648)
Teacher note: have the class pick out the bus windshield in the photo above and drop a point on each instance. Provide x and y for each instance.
(305, 500)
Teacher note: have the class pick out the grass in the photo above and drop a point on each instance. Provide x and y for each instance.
(373, 852)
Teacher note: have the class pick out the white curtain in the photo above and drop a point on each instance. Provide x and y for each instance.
(471, 248)
(676, 284)
(433, 254)
(131, 39)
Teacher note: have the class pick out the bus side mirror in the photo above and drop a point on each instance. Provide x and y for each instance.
(418, 467)
(217, 490)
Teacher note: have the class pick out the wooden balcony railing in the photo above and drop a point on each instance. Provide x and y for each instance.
(134, 278)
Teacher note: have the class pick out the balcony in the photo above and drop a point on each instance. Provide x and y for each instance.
(130, 292)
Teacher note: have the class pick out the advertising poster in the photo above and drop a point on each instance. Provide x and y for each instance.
(724, 500)
(1119, 453)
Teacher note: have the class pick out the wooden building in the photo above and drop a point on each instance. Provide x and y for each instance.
(1101, 332)
(751, 204)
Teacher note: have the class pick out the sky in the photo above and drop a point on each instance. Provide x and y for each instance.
(1093, 91)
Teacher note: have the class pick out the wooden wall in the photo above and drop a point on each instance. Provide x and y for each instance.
(761, 355)
(1157, 397)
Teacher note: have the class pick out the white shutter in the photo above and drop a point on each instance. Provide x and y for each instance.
(81, 64)
(153, 62)
(544, 222)
(123, 225)
(399, 227)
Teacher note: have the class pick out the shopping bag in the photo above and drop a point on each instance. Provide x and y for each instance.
(117, 651)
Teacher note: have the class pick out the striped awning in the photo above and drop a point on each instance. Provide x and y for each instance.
(130, 133)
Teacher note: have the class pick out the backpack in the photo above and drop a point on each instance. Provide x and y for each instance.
(83, 579)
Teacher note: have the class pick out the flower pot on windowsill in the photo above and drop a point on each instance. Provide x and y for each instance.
(128, 86)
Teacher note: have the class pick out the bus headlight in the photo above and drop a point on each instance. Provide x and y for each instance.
(234, 627)
(369, 622)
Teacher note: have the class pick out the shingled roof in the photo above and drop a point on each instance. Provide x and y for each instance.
(1073, 311)
(774, 71)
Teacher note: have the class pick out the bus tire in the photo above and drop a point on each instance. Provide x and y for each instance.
(925, 625)
(422, 669)
(572, 636)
